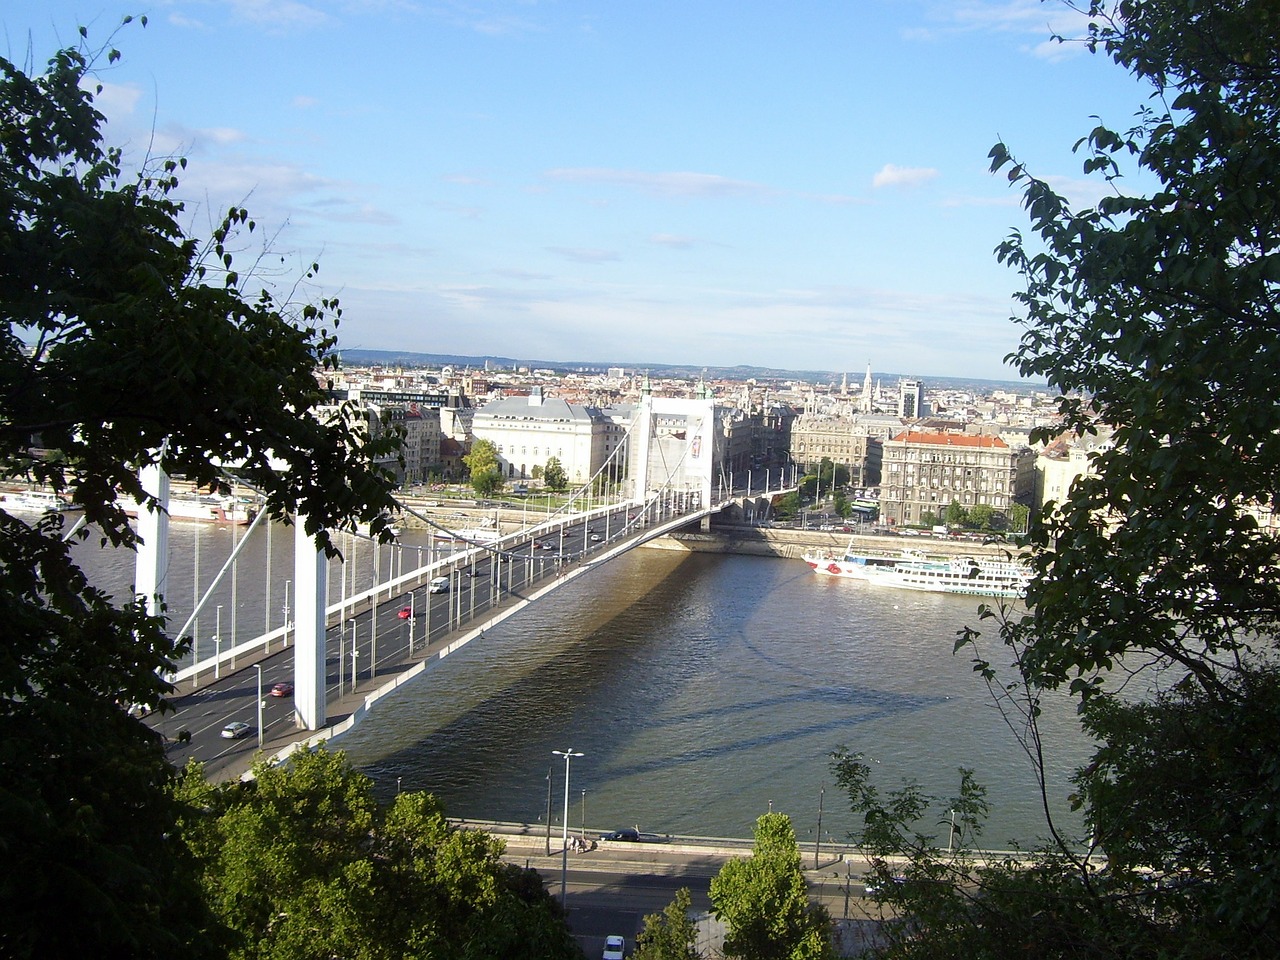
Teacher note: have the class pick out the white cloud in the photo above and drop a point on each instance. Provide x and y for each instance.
(1027, 17)
(672, 240)
(279, 14)
(223, 135)
(585, 254)
(892, 175)
(116, 101)
(673, 184)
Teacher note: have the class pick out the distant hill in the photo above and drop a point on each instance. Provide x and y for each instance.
(401, 358)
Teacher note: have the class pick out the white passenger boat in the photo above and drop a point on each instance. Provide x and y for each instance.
(205, 508)
(858, 564)
(35, 501)
(978, 576)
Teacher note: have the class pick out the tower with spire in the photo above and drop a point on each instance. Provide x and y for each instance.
(865, 404)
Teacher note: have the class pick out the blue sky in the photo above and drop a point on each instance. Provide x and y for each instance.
(800, 185)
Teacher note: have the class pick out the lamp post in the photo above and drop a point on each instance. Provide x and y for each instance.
(564, 853)
(217, 645)
(258, 667)
(287, 584)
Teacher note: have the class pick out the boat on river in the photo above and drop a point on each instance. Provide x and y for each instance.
(205, 508)
(859, 564)
(977, 576)
(35, 501)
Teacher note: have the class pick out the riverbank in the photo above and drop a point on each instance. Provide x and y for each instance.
(790, 544)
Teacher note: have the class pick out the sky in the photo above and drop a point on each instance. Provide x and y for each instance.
(800, 185)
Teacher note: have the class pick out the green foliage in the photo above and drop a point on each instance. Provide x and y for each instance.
(302, 862)
(1019, 518)
(956, 515)
(1157, 315)
(670, 935)
(764, 901)
(840, 503)
(125, 343)
(786, 506)
(1163, 308)
(554, 475)
(981, 516)
(486, 468)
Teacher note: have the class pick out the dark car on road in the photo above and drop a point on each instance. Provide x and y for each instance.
(626, 833)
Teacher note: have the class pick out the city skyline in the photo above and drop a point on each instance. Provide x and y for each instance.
(802, 188)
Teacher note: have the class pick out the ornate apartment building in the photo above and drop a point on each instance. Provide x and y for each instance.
(844, 441)
(925, 472)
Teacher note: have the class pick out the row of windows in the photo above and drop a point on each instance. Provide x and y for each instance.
(523, 451)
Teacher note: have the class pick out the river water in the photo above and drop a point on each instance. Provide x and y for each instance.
(703, 690)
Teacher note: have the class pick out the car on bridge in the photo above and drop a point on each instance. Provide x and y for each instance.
(615, 947)
(439, 585)
(282, 689)
(405, 613)
(235, 730)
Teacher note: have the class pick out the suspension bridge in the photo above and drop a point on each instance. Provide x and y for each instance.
(327, 664)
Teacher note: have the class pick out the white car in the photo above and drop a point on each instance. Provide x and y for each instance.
(614, 948)
(439, 585)
(235, 730)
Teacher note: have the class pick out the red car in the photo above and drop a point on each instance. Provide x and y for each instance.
(405, 613)
(282, 689)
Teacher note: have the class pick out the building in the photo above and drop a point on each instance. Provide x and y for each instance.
(528, 431)
(815, 437)
(910, 399)
(923, 473)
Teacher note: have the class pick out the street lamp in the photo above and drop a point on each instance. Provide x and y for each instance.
(564, 853)
(217, 645)
(287, 584)
(258, 667)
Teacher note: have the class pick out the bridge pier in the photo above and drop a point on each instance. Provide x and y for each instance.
(311, 597)
(151, 563)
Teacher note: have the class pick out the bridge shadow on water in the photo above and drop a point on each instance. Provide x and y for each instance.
(619, 664)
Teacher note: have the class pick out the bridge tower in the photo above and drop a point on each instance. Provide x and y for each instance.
(674, 447)
(311, 583)
(151, 562)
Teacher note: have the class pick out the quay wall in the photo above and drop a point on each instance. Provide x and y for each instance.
(793, 544)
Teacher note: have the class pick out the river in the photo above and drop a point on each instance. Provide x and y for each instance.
(702, 691)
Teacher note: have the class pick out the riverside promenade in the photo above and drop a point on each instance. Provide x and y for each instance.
(613, 885)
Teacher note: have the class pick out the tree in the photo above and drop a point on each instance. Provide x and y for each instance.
(486, 468)
(840, 503)
(1019, 517)
(670, 935)
(956, 515)
(124, 344)
(303, 862)
(1155, 313)
(764, 901)
(981, 516)
(554, 476)
(787, 505)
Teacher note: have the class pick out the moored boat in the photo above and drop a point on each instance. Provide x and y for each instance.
(977, 576)
(205, 508)
(858, 564)
(35, 501)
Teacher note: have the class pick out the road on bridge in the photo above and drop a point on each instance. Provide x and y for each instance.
(393, 636)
